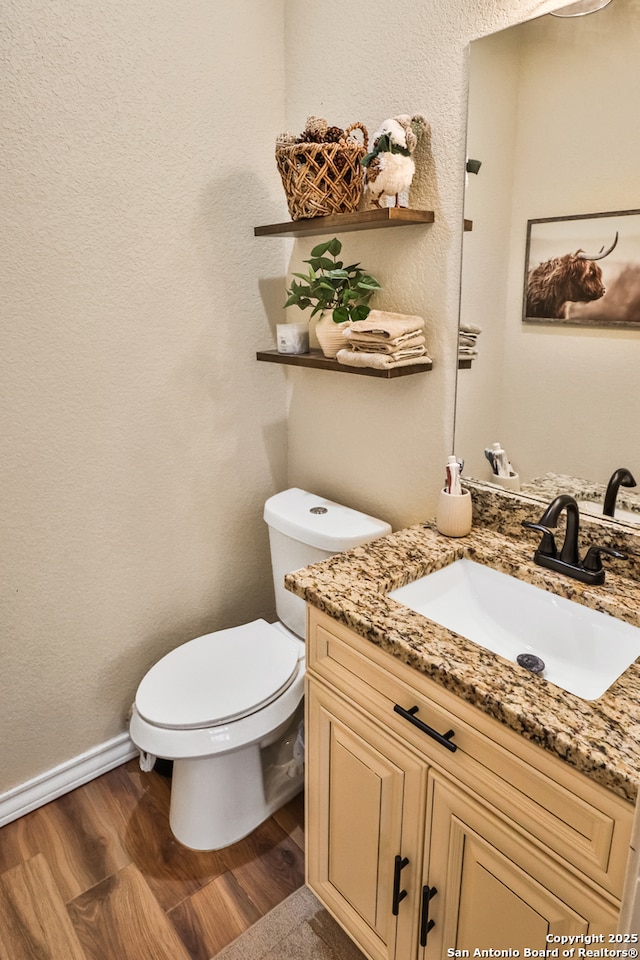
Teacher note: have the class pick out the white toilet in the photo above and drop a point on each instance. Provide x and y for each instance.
(227, 707)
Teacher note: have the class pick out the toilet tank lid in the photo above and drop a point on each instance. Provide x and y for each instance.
(321, 523)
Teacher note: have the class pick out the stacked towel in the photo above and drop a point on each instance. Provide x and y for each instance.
(468, 334)
(384, 340)
(379, 361)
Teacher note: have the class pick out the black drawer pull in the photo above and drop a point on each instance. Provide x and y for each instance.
(426, 925)
(444, 739)
(398, 894)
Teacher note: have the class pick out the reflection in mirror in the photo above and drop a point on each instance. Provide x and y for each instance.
(581, 8)
(553, 118)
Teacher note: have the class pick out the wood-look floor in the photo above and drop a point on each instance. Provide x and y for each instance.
(97, 875)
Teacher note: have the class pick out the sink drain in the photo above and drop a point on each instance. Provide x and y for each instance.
(530, 662)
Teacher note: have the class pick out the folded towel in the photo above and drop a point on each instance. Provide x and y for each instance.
(387, 326)
(398, 354)
(470, 328)
(356, 337)
(467, 341)
(466, 353)
(391, 346)
(378, 361)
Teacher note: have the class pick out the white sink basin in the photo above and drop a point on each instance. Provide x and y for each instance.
(584, 650)
(594, 509)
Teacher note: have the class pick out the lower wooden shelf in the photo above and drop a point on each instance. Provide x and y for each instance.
(315, 358)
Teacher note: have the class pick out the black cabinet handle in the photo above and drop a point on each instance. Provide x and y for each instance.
(444, 739)
(398, 894)
(426, 925)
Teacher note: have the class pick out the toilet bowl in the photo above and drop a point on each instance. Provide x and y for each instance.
(214, 705)
(226, 707)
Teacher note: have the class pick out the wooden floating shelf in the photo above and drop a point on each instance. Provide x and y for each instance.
(315, 358)
(346, 222)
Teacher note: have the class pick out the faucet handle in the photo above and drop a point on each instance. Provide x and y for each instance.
(548, 544)
(593, 560)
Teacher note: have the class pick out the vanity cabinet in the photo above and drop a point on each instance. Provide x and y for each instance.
(367, 809)
(432, 827)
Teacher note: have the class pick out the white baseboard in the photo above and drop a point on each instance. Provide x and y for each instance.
(65, 777)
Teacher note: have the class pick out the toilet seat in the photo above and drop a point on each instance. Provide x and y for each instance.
(219, 677)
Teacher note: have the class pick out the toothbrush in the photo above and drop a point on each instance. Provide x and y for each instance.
(453, 477)
(489, 454)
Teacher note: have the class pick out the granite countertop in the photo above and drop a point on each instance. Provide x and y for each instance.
(601, 738)
(551, 484)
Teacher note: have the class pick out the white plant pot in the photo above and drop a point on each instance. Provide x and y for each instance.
(331, 335)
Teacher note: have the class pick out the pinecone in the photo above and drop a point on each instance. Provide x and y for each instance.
(316, 127)
(317, 131)
(286, 139)
(333, 135)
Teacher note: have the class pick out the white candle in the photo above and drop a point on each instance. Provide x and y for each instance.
(292, 337)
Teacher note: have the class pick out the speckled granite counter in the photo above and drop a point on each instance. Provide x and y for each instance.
(551, 484)
(601, 738)
(548, 486)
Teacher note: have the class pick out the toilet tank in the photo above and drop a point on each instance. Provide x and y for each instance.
(304, 529)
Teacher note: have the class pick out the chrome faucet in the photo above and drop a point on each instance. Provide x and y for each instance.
(591, 569)
(619, 478)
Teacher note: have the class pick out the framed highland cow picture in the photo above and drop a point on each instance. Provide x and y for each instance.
(583, 270)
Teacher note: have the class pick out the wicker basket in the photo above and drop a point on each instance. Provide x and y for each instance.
(322, 178)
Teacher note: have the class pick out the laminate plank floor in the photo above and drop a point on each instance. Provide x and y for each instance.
(97, 875)
(29, 900)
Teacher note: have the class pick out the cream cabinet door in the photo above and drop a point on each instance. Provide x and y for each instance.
(494, 888)
(365, 826)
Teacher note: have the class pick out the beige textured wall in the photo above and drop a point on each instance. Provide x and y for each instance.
(140, 438)
(382, 445)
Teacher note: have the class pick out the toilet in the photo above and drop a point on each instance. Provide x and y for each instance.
(227, 707)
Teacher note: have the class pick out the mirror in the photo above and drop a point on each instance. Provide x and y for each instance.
(553, 118)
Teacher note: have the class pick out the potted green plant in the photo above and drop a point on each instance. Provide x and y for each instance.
(339, 293)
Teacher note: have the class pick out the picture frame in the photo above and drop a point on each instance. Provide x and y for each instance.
(583, 270)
